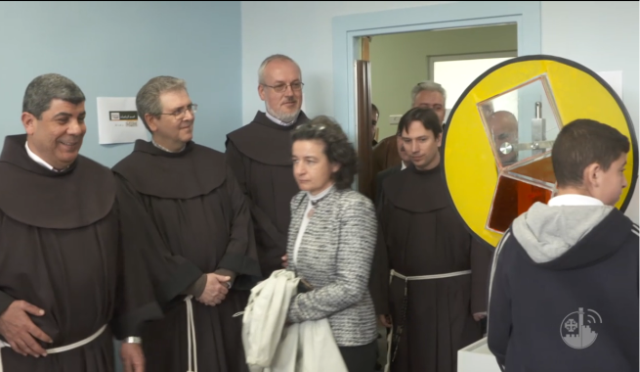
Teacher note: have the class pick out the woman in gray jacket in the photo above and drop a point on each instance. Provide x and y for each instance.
(331, 241)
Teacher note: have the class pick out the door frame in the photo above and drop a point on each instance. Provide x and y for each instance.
(346, 30)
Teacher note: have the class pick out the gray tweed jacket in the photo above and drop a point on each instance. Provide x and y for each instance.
(335, 257)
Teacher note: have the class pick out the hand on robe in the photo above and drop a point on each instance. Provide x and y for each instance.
(132, 357)
(19, 331)
(215, 290)
(285, 261)
(479, 316)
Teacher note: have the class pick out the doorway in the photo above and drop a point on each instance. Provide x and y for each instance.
(372, 64)
(454, 58)
(348, 30)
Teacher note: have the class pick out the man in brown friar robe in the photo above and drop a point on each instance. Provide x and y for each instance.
(387, 153)
(70, 277)
(260, 155)
(205, 260)
(430, 273)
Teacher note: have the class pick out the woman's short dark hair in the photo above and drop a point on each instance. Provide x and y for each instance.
(336, 146)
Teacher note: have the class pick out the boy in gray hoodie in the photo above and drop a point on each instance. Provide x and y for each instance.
(564, 280)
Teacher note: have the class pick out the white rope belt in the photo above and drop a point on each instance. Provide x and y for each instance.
(427, 277)
(191, 337)
(61, 349)
(407, 279)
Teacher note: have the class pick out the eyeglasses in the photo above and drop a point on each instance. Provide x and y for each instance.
(280, 88)
(179, 113)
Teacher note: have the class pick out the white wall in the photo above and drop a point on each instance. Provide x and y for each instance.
(600, 35)
(303, 31)
(603, 36)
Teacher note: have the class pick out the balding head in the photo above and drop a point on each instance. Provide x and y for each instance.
(280, 87)
(504, 128)
(504, 120)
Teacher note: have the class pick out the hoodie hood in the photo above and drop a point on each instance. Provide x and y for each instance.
(563, 237)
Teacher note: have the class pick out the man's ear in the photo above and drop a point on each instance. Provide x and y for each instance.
(592, 175)
(261, 92)
(152, 122)
(29, 122)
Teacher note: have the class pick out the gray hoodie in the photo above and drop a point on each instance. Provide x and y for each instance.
(564, 291)
(547, 232)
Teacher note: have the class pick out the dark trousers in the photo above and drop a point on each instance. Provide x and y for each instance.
(360, 358)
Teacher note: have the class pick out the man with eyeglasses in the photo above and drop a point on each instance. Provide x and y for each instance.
(260, 155)
(186, 199)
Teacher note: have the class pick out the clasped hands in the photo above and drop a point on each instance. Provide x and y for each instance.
(215, 291)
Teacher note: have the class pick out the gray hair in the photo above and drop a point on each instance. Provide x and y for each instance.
(45, 88)
(430, 86)
(271, 58)
(148, 98)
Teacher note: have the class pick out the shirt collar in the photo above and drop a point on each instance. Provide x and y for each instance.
(315, 198)
(574, 200)
(402, 166)
(165, 149)
(278, 121)
(38, 159)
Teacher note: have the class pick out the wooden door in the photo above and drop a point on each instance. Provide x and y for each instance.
(364, 136)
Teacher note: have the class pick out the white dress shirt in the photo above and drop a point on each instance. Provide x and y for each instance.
(574, 199)
(166, 149)
(278, 121)
(38, 159)
(305, 220)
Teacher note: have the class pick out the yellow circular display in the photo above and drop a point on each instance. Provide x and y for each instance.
(469, 163)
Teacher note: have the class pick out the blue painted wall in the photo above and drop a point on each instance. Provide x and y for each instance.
(111, 49)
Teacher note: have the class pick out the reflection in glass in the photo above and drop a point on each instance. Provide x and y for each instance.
(521, 122)
(503, 126)
(521, 125)
(538, 170)
(512, 198)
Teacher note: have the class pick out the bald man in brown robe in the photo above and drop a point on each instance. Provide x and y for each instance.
(260, 156)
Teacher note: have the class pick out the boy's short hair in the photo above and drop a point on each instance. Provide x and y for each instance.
(582, 143)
